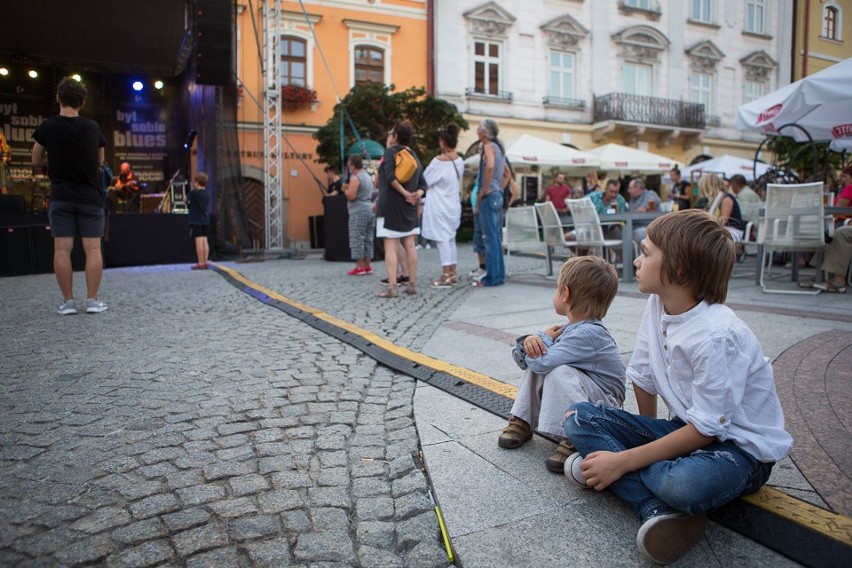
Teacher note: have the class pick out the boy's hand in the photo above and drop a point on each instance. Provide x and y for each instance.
(534, 346)
(601, 469)
(554, 331)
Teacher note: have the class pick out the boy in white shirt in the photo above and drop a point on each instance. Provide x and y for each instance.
(725, 429)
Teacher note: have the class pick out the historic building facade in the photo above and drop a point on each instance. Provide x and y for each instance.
(820, 39)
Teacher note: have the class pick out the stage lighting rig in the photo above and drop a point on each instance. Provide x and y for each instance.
(32, 73)
(158, 85)
(137, 86)
(190, 138)
(4, 71)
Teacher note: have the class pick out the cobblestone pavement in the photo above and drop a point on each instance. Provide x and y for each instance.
(190, 425)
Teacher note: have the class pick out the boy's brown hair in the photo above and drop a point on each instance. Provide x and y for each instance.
(592, 283)
(200, 179)
(71, 93)
(698, 253)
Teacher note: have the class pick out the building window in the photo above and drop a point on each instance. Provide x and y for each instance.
(756, 16)
(369, 65)
(830, 17)
(637, 79)
(754, 90)
(294, 61)
(486, 67)
(562, 75)
(701, 90)
(641, 4)
(701, 11)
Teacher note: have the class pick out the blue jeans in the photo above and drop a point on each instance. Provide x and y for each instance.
(704, 480)
(490, 213)
(478, 245)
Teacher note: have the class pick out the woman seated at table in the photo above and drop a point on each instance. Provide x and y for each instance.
(722, 204)
(844, 196)
(838, 255)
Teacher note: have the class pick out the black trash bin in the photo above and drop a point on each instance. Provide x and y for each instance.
(336, 228)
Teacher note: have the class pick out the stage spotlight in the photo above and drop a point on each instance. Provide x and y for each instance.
(32, 73)
(4, 71)
(76, 77)
(137, 85)
(190, 138)
(158, 85)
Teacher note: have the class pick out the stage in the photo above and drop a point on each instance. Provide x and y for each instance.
(132, 239)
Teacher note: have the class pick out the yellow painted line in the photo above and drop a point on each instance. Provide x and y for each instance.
(832, 525)
(478, 379)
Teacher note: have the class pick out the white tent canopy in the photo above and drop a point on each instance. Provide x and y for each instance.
(529, 150)
(821, 104)
(727, 166)
(626, 159)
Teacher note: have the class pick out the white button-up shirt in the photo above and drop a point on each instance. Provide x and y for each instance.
(709, 369)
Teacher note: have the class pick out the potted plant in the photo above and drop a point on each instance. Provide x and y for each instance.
(295, 97)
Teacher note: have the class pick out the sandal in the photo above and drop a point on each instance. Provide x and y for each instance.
(445, 281)
(410, 290)
(806, 283)
(556, 462)
(830, 288)
(389, 292)
(515, 434)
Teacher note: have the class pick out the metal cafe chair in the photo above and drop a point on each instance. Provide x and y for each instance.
(588, 229)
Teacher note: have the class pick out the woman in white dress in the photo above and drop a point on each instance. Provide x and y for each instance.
(442, 208)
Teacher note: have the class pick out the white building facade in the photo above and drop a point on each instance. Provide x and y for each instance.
(662, 75)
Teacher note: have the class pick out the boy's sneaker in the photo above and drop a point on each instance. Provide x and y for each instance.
(665, 538)
(479, 274)
(95, 306)
(67, 308)
(572, 470)
(367, 271)
(357, 271)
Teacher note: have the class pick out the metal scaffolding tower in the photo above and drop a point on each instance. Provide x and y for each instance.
(276, 213)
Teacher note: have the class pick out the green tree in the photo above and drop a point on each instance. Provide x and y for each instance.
(375, 108)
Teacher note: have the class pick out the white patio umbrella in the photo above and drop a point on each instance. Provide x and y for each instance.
(627, 159)
(728, 166)
(532, 151)
(821, 104)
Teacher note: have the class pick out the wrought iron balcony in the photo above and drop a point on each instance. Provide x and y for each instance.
(712, 120)
(562, 102)
(649, 110)
(502, 96)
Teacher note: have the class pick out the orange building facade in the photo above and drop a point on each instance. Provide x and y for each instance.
(361, 40)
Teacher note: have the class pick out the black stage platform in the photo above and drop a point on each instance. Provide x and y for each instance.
(133, 239)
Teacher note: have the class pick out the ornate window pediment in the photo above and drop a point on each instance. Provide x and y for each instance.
(489, 19)
(564, 32)
(758, 65)
(641, 43)
(705, 55)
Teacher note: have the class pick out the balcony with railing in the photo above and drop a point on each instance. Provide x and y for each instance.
(578, 104)
(649, 110)
(499, 96)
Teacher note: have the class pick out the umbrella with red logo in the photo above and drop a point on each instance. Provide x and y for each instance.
(819, 106)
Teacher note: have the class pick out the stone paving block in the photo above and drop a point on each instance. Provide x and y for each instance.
(247, 484)
(360, 467)
(293, 479)
(47, 542)
(248, 528)
(411, 505)
(146, 554)
(199, 494)
(154, 505)
(370, 486)
(371, 557)
(332, 458)
(233, 441)
(134, 533)
(328, 497)
(426, 554)
(185, 519)
(239, 453)
(137, 489)
(101, 520)
(233, 508)
(329, 518)
(374, 508)
(270, 553)
(57, 515)
(378, 534)
(413, 481)
(408, 446)
(218, 470)
(401, 466)
(279, 500)
(204, 537)
(296, 521)
(86, 551)
(334, 546)
(181, 479)
(219, 558)
(333, 477)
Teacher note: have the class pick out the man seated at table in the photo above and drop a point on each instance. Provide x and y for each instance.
(558, 193)
(749, 201)
(608, 201)
(641, 201)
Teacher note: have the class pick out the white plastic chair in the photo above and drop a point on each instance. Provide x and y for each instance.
(521, 231)
(587, 227)
(793, 221)
(553, 233)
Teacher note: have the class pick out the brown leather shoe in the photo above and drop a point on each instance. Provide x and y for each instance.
(556, 462)
(515, 434)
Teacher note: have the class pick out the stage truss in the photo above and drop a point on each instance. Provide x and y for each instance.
(273, 194)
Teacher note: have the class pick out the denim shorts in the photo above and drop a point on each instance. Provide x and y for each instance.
(75, 220)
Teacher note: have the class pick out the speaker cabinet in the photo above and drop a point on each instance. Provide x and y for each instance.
(214, 39)
(16, 251)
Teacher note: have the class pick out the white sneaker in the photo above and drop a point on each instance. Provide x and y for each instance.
(665, 538)
(479, 274)
(67, 308)
(95, 306)
(572, 470)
